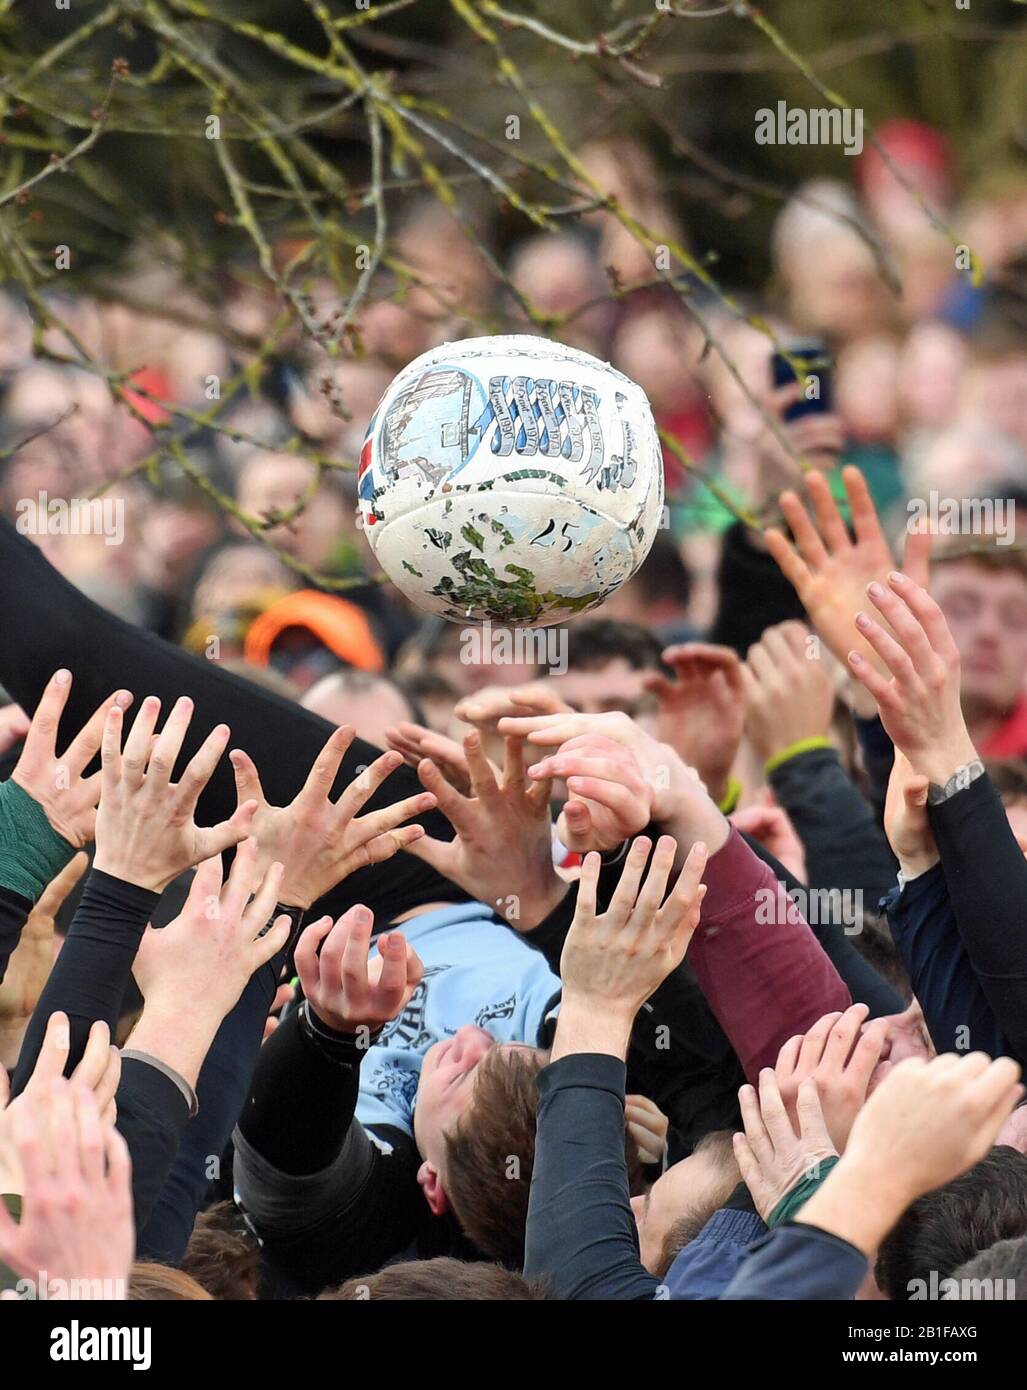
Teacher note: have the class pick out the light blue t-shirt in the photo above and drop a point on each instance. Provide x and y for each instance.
(476, 970)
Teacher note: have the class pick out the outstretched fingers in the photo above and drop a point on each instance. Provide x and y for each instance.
(199, 770)
(325, 769)
(305, 956)
(247, 778)
(681, 910)
(86, 743)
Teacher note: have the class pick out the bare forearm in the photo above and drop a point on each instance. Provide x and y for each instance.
(591, 1025)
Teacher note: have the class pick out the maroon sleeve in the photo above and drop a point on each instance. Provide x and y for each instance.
(763, 972)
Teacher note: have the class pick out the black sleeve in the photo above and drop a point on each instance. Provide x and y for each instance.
(14, 912)
(152, 1114)
(93, 970)
(845, 846)
(753, 593)
(302, 1099)
(581, 1235)
(327, 1200)
(986, 874)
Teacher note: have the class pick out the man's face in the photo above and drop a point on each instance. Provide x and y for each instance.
(615, 686)
(987, 613)
(695, 1187)
(445, 1089)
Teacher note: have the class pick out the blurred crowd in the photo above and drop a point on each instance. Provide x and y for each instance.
(822, 759)
(929, 392)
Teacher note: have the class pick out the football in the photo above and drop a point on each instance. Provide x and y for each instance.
(510, 480)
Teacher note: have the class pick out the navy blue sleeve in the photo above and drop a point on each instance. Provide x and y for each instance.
(581, 1234)
(923, 926)
(799, 1263)
(707, 1264)
(986, 875)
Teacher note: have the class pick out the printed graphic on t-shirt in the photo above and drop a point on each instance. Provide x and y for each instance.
(476, 970)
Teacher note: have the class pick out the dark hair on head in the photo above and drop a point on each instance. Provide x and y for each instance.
(718, 1147)
(1009, 777)
(663, 572)
(945, 1228)
(596, 641)
(1003, 1264)
(490, 1154)
(222, 1254)
(440, 1279)
(149, 1282)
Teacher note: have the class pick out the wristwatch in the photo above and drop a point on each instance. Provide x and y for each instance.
(958, 782)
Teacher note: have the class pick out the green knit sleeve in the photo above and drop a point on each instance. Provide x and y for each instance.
(31, 851)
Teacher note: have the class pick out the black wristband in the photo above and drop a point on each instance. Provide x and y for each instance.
(295, 916)
(343, 1048)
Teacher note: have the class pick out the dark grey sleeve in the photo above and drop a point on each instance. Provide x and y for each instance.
(581, 1235)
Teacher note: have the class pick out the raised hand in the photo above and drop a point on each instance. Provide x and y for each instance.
(414, 743)
(701, 713)
(98, 1070)
(76, 1229)
(609, 798)
(928, 1122)
(347, 991)
(503, 849)
(613, 961)
(200, 963)
(320, 841)
(661, 766)
(772, 1156)
(679, 800)
(55, 780)
(919, 706)
(830, 571)
(842, 1056)
(925, 1124)
(789, 696)
(145, 832)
